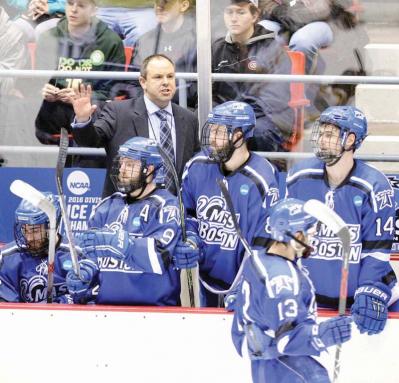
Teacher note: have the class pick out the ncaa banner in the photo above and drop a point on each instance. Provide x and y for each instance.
(82, 187)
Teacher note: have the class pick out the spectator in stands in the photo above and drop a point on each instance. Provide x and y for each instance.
(34, 17)
(345, 56)
(249, 48)
(301, 24)
(79, 42)
(128, 18)
(152, 115)
(13, 54)
(174, 36)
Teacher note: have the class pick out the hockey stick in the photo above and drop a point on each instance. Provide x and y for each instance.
(248, 250)
(189, 278)
(38, 199)
(62, 154)
(338, 226)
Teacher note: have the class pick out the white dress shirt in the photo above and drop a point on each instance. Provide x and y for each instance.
(154, 122)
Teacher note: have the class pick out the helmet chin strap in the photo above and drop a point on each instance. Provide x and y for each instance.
(303, 250)
(144, 185)
(232, 148)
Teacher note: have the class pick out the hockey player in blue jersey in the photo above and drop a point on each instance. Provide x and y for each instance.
(132, 236)
(363, 197)
(23, 262)
(275, 307)
(251, 181)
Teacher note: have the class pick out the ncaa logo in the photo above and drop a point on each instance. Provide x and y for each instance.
(244, 189)
(357, 200)
(78, 182)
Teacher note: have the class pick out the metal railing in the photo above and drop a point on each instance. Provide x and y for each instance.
(182, 78)
(228, 77)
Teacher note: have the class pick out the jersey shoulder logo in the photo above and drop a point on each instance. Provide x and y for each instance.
(282, 282)
(384, 198)
(171, 213)
(273, 194)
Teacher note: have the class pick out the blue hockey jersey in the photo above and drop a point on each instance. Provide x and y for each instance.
(365, 201)
(23, 277)
(253, 189)
(277, 315)
(154, 225)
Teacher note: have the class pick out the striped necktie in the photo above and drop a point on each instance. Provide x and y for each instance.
(165, 138)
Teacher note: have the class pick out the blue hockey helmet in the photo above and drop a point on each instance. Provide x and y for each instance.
(349, 120)
(329, 144)
(230, 116)
(28, 214)
(289, 217)
(235, 115)
(147, 152)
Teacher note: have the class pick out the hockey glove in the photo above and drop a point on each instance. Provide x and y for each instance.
(230, 302)
(335, 330)
(258, 342)
(187, 254)
(103, 243)
(370, 309)
(79, 288)
(231, 297)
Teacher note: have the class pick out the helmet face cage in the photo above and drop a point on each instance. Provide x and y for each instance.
(216, 141)
(348, 120)
(128, 174)
(328, 142)
(31, 226)
(32, 238)
(223, 121)
(130, 167)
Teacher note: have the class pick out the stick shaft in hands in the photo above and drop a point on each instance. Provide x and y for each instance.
(338, 226)
(189, 279)
(62, 154)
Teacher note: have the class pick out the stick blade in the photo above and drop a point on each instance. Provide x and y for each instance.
(27, 192)
(33, 196)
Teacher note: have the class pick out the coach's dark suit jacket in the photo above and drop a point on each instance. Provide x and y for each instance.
(121, 120)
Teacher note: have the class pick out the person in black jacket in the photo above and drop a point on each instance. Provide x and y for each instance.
(121, 120)
(250, 48)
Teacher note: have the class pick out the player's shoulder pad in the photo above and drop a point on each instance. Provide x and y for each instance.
(373, 176)
(163, 200)
(281, 277)
(163, 205)
(263, 167)
(199, 159)
(262, 176)
(103, 204)
(375, 184)
(308, 168)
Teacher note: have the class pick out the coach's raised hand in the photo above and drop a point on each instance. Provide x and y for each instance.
(82, 103)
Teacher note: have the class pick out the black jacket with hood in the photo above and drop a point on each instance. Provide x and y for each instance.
(261, 54)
